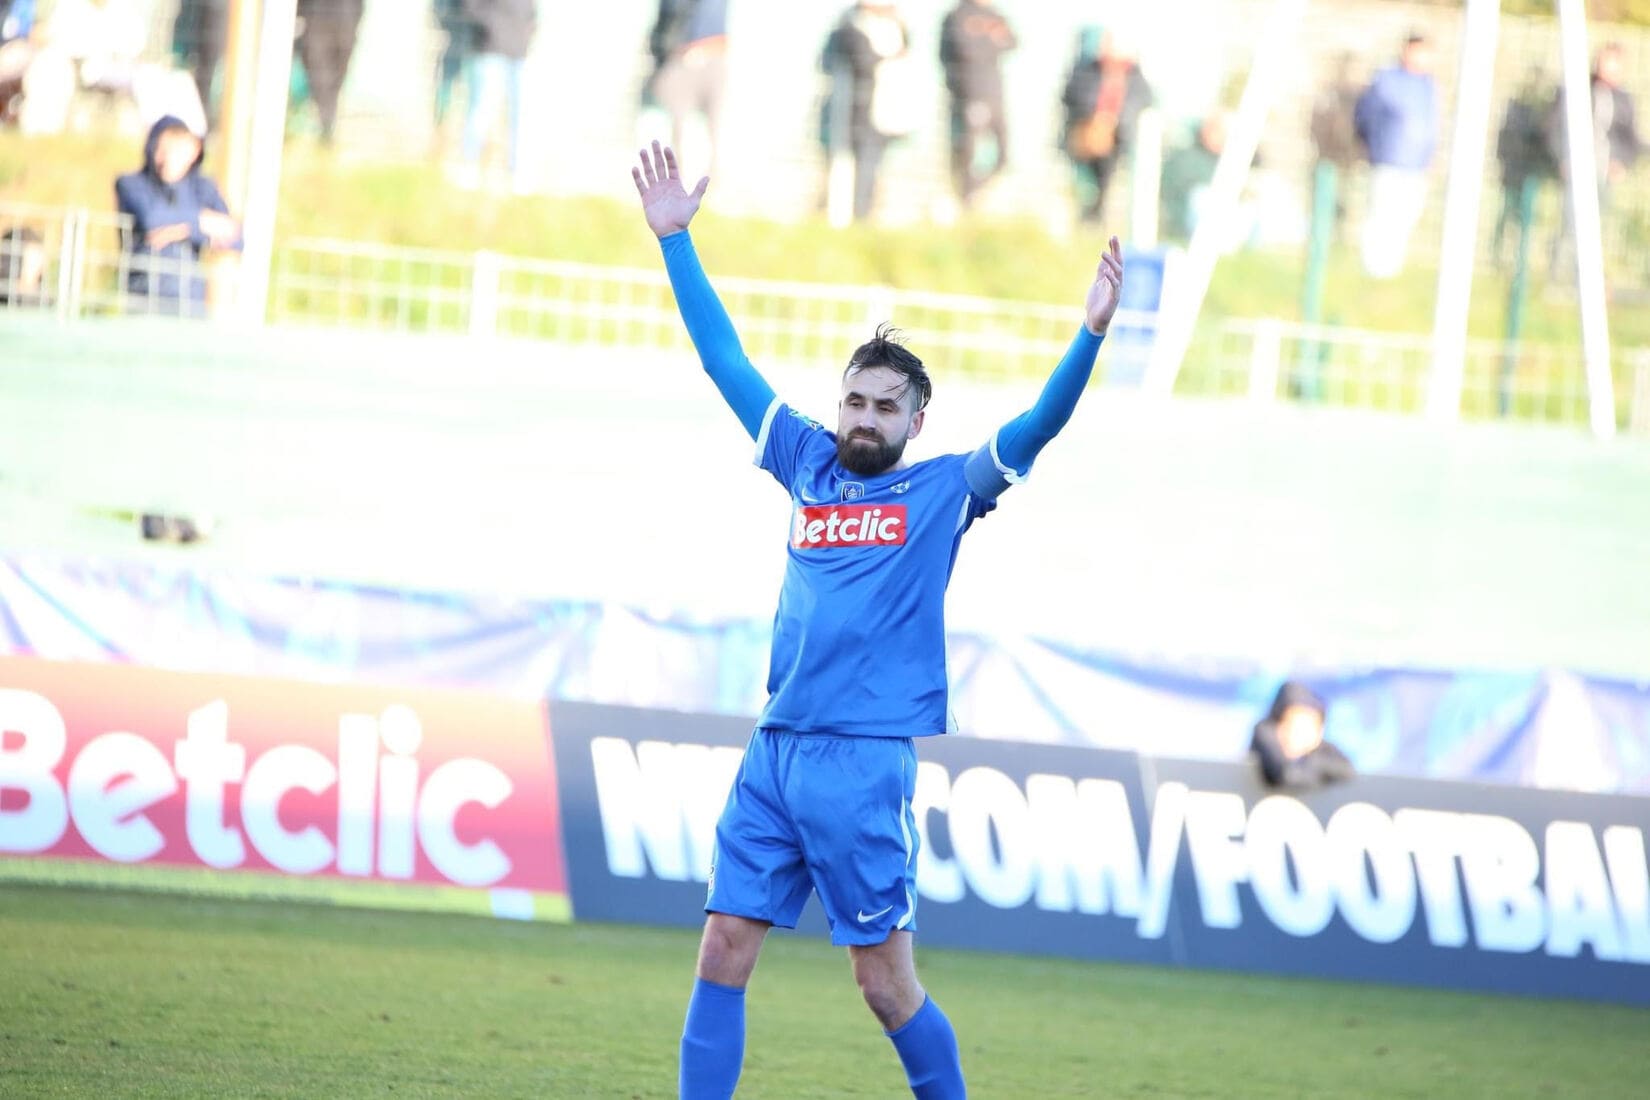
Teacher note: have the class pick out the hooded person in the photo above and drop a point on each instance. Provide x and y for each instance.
(1290, 744)
(177, 214)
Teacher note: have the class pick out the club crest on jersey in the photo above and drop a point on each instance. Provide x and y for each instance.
(852, 490)
(816, 527)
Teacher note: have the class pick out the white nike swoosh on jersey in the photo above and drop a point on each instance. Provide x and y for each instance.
(863, 916)
(806, 499)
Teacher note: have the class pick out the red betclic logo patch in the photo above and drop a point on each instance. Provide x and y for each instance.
(816, 526)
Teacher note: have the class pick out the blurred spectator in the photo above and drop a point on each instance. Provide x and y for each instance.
(1616, 146)
(1184, 192)
(1334, 138)
(326, 42)
(689, 44)
(867, 55)
(22, 268)
(973, 38)
(16, 19)
(504, 31)
(16, 24)
(1397, 120)
(96, 46)
(457, 47)
(1521, 154)
(177, 214)
(1103, 98)
(1289, 742)
(1187, 172)
(200, 34)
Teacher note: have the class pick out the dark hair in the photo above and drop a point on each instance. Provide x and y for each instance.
(1293, 693)
(886, 349)
(1415, 37)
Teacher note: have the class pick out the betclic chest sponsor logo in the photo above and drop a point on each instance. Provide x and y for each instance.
(819, 526)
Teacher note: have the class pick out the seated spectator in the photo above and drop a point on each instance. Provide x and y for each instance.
(22, 268)
(97, 46)
(177, 214)
(1290, 744)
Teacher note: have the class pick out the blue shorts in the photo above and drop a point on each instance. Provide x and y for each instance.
(823, 813)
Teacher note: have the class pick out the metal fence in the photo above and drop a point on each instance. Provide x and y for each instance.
(77, 262)
(88, 270)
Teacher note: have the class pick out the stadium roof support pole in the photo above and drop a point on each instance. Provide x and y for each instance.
(1458, 252)
(1582, 193)
(268, 134)
(1184, 292)
(240, 69)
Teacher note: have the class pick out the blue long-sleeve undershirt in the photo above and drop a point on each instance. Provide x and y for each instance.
(1020, 440)
(723, 357)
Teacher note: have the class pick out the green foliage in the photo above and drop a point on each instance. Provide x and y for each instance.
(412, 205)
(1635, 13)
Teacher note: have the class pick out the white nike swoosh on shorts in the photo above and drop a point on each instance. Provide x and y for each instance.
(862, 916)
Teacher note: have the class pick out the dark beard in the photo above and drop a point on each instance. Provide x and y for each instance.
(868, 461)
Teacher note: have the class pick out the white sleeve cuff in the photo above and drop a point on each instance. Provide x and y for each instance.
(762, 436)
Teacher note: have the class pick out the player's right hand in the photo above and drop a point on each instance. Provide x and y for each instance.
(667, 205)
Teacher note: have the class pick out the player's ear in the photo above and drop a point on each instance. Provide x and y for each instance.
(916, 424)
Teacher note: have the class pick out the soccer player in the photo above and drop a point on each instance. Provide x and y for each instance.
(822, 801)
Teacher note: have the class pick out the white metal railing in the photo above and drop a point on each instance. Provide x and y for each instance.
(88, 268)
(348, 283)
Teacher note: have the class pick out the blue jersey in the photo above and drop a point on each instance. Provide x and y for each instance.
(859, 637)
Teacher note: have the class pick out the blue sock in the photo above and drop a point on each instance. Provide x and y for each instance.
(713, 1042)
(928, 1049)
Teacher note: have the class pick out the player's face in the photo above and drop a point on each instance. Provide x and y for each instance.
(875, 420)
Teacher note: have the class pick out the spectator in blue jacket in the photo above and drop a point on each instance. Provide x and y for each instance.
(1396, 119)
(177, 214)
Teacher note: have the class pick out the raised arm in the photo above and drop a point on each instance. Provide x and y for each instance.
(1008, 456)
(669, 207)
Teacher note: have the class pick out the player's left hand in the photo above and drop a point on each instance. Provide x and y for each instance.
(1107, 290)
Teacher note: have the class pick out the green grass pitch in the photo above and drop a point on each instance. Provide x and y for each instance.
(109, 993)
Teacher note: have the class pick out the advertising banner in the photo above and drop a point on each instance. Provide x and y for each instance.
(387, 795)
(1113, 855)
(1549, 728)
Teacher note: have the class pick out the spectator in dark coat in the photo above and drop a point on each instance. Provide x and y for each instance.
(1615, 141)
(1289, 742)
(326, 42)
(1334, 138)
(1521, 154)
(200, 33)
(868, 38)
(503, 34)
(177, 214)
(1103, 98)
(973, 39)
